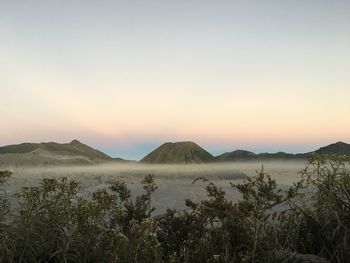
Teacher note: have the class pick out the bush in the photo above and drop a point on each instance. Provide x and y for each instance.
(5, 250)
(318, 222)
(310, 222)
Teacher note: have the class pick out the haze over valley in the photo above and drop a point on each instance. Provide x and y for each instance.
(176, 166)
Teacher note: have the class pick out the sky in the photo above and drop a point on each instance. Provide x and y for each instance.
(127, 76)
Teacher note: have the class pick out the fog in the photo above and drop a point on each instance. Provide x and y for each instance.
(175, 182)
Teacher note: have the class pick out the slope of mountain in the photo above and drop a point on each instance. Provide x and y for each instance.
(78, 153)
(51, 153)
(241, 155)
(339, 148)
(237, 155)
(178, 153)
(280, 156)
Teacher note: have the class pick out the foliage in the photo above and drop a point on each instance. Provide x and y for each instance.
(318, 222)
(310, 222)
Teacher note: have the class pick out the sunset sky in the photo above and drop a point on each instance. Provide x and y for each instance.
(126, 76)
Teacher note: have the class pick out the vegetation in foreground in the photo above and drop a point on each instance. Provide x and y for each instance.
(308, 223)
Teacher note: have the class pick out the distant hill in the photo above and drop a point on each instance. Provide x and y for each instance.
(339, 148)
(237, 155)
(51, 153)
(281, 156)
(178, 153)
(242, 155)
(77, 153)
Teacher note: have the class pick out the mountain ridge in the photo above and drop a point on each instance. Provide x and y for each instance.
(185, 152)
(51, 153)
(178, 153)
(338, 148)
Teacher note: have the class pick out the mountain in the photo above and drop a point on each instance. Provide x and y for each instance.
(339, 148)
(77, 153)
(51, 153)
(281, 156)
(237, 155)
(242, 155)
(178, 153)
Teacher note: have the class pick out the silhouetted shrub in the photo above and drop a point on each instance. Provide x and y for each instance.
(310, 222)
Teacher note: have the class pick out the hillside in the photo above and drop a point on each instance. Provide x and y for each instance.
(237, 155)
(77, 153)
(51, 153)
(339, 148)
(178, 153)
(242, 155)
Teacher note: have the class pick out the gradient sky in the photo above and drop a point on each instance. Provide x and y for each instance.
(126, 76)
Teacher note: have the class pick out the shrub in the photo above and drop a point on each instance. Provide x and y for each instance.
(5, 249)
(310, 222)
(318, 222)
